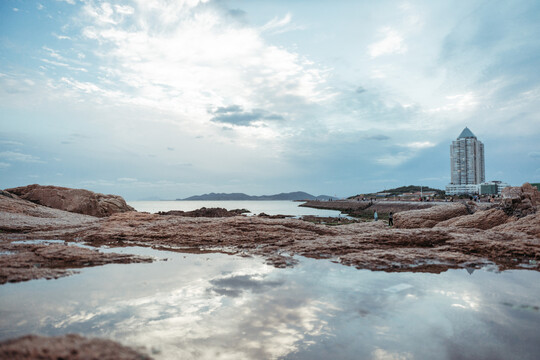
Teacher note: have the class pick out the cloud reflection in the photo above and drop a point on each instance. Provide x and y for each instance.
(217, 306)
(267, 317)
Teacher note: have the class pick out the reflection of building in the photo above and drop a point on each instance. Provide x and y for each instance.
(466, 163)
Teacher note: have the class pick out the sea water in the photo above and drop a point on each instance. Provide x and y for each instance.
(211, 306)
(269, 207)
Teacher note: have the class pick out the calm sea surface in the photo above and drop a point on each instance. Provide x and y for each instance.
(256, 207)
(218, 306)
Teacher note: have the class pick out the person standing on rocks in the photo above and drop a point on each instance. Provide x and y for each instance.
(375, 215)
(391, 219)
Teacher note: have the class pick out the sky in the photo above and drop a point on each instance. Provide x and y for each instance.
(166, 99)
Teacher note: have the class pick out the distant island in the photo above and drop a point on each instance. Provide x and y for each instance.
(292, 196)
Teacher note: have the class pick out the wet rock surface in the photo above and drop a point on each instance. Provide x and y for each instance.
(448, 235)
(67, 347)
(73, 200)
(28, 261)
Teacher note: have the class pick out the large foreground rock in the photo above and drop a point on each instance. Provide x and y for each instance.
(479, 220)
(67, 347)
(20, 216)
(428, 218)
(74, 200)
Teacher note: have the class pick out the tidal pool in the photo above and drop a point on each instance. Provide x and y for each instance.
(230, 307)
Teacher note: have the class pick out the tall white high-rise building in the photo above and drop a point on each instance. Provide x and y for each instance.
(466, 163)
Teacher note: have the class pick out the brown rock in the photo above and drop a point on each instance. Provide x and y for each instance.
(529, 225)
(532, 193)
(520, 201)
(368, 245)
(17, 215)
(27, 261)
(428, 218)
(67, 347)
(479, 220)
(6, 194)
(74, 200)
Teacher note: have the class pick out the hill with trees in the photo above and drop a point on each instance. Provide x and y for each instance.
(403, 190)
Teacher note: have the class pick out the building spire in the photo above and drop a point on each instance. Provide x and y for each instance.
(466, 133)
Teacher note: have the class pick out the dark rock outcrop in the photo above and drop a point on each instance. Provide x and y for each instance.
(7, 194)
(73, 200)
(206, 212)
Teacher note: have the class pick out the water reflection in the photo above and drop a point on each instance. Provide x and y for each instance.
(219, 306)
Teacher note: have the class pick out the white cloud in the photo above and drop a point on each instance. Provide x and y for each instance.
(4, 165)
(459, 102)
(124, 9)
(280, 25)
(420, 145)
(55, 63)
(277, 22)
(381, 354)
(19, 157)
(61, 37)
(177, 57)
(108, 14)
(392, 43)
(53, 53)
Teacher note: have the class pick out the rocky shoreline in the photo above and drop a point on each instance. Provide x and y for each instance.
(426, 238)
(432, 239)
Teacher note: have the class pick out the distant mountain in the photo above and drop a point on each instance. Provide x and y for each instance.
(297, 195)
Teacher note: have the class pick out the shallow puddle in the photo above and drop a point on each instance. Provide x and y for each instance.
(219, 306)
